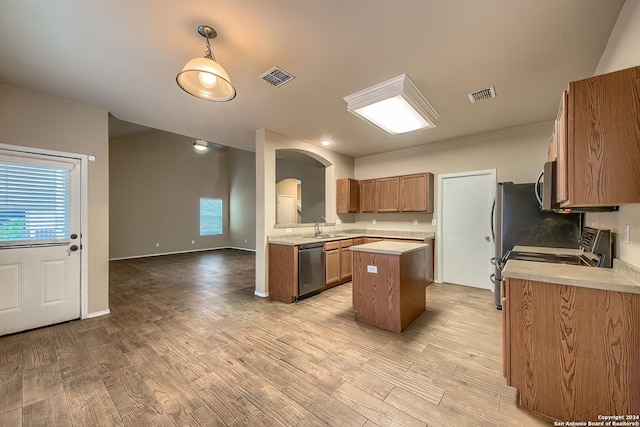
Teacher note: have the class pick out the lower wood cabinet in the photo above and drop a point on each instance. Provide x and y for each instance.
(572, 352)
(332, 263)
(338, 262)
(283, 272)
(346, 260)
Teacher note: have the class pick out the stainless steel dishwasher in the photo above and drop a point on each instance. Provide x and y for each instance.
(311, 272)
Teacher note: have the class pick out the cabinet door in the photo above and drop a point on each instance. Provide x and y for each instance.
(346, 260)
(506, 332)
(358, 241)
(332, 262)
(603, 139)
(387, 192)
(347, 195)
(562, 164)
(416, 193)
(367, 195)
(283, 272)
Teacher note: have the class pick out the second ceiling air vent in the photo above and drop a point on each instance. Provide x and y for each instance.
(276, 77)
(483, 94)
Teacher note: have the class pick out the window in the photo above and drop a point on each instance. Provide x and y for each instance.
(34, 202)
(210, 216)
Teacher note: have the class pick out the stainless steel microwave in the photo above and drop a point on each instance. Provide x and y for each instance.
(545, 189)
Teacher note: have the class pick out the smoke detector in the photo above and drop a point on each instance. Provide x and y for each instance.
(276, 77)
(483, 94)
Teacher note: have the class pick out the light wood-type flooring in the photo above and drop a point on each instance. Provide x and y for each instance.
(187, 343)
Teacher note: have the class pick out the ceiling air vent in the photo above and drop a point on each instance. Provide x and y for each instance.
(483, 94)
(276, 77)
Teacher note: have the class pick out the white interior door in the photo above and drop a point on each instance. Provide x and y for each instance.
(465, 208)
(39, 241)
(285, 209)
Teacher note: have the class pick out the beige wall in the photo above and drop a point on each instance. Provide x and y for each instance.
(156, 182)
(30, 119)
(622, 51)
(267, 142)
(242, 198)
(518, 154)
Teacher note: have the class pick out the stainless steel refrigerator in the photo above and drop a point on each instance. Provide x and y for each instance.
(517, 219)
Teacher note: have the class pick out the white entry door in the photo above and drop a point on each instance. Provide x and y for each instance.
(285, 209)
(39, 241)
(465, 227)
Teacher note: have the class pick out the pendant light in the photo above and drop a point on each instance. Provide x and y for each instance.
(203, 77)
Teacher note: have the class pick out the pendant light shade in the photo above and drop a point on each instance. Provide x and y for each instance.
(203, 77)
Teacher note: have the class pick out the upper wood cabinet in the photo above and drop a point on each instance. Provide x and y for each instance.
(406, 193)
(347, 196)
(387, 194)
(416, 193)
(599, 130)
(367, 195)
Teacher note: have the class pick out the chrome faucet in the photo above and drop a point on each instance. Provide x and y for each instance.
(318, 230)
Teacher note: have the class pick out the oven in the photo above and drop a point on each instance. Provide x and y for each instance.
(595, 251)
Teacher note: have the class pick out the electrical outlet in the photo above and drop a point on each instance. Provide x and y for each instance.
(245, 240)
(627, 234)
(373, 221)
(415, 222)
(288, 230)
(157, 245)
(193, 242)
(433, 221)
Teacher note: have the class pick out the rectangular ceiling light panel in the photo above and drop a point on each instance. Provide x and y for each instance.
(395, 106)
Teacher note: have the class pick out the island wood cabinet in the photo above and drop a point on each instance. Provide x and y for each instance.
(598, 141)
(416, 193)
(387, 194)
(347, 196)
(572, 352)
(367, 195)
(389, 286)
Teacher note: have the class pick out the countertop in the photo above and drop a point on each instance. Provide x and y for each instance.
(351, 234)
(608, 279)
(389, 247)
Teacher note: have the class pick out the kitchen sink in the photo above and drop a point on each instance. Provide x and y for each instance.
(325, 236)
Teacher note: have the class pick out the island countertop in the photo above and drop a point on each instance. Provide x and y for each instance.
(389, 247)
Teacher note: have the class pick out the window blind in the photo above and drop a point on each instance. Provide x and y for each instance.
(34, 202)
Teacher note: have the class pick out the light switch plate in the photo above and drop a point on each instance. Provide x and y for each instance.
(372, 269)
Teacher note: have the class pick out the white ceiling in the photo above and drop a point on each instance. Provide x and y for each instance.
(123, 56)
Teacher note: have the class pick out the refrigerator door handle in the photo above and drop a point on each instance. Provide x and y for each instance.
(537, 187)
(493, 211)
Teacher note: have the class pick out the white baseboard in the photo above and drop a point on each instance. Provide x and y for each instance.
(179, 252)
(97, 314)
(241, 249)
(261, 294)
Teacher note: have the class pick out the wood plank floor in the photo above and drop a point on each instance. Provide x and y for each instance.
(188, 344)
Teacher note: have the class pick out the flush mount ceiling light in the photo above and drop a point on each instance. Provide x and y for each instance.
(395, 106)
(203, 77)
(200, 145)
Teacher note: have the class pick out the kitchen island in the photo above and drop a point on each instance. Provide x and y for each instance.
(389, 281)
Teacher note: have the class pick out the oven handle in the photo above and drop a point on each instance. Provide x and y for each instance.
(537, 189)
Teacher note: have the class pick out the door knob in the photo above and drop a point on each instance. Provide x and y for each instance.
(73, 248)
(487, 238)
(74, 236)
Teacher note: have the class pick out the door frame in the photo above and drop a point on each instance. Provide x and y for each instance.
(441, 178)
(84, 197)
